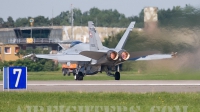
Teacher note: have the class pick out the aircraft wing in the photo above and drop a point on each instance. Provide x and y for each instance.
(61, 57)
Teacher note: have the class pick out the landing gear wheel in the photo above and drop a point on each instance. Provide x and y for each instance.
(117, 76)
(79, 76)
(68, 72)
(74, 72)
(64, 72)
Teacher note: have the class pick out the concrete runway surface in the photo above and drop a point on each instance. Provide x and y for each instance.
(136, 86)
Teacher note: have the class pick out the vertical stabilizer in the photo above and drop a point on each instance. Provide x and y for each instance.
(124, 37)
(94, 39)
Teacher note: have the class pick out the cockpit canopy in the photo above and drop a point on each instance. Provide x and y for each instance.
(75, 43)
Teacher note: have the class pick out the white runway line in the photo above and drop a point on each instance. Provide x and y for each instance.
(113, 84)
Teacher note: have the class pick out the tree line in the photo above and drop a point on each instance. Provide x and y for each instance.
(33, 66)
(177, 17)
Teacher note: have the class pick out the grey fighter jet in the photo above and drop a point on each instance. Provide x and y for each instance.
(93, 57)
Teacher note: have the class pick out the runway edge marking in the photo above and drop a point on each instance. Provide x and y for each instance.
(113, 84)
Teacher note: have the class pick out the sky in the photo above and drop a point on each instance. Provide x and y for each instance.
(52, 8)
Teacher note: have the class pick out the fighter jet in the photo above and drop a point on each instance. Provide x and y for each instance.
(93, 57)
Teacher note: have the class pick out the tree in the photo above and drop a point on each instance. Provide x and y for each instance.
(41, 21)
(10, 22)
(1, 23)
(22, 22)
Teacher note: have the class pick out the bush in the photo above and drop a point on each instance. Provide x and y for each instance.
(39, 65)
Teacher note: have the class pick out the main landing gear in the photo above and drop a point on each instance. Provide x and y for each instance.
(79, 76)
(117, 76)
(109, 73)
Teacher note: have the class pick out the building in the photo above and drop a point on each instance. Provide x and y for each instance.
(8, 52)
(150, 19)
(29, 39)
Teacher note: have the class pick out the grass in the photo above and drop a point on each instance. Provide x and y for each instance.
(22, 101)
(126, 75)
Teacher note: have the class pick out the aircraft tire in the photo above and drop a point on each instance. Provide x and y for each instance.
(68, 73)
(74, 72)
(64, 72)
(117, 76)
(79, 76)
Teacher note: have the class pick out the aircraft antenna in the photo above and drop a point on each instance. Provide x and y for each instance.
(72, 23)
(52, 17)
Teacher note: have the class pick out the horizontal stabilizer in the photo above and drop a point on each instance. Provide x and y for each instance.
(72, 57)
(93, 54)
(138, 54)
(153, 57)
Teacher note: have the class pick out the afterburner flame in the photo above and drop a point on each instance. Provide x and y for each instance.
(124, 55)
(112, 55)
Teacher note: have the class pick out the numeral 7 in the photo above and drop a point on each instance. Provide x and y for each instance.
(18, 75)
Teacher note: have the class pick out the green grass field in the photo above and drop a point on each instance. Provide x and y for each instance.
(31, 101)
(103, 102)
(126, 75)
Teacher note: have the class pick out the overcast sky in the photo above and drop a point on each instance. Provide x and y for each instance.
(34, 8)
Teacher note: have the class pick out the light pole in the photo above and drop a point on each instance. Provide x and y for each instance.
(31, 23)
(72, 23)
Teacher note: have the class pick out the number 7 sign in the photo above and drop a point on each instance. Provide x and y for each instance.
(15, 78)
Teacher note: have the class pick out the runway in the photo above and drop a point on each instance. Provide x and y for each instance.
(135, 86)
